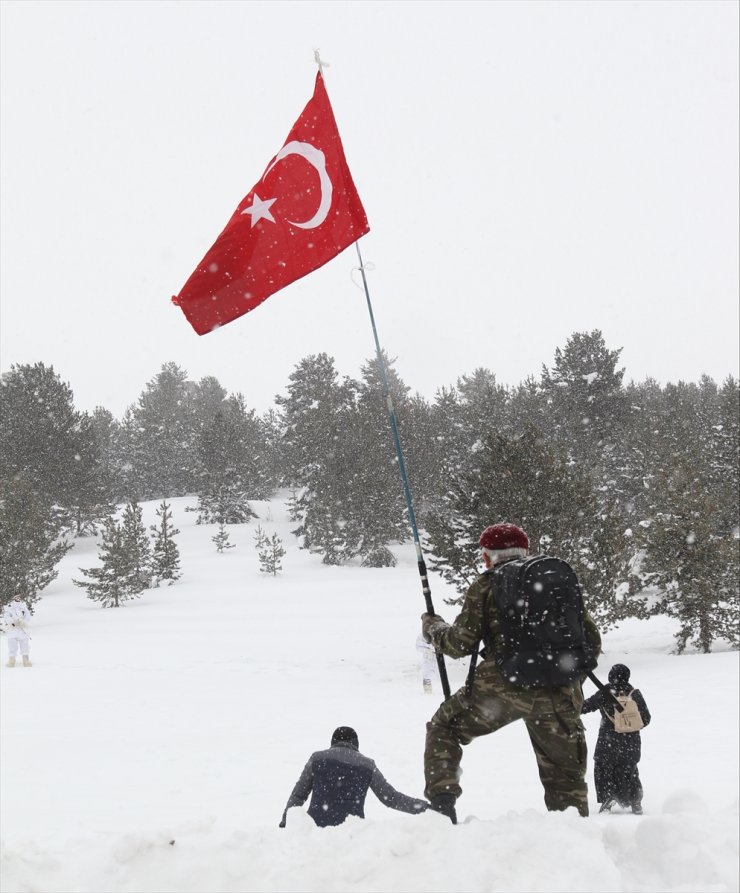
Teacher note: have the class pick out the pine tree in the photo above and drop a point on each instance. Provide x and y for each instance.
(685, 457)
(135, 543)
(207, 398)
(692, 560)
(255, 440)
(270, 554)
(37, 435)
(111, 582)
(528, 482)
(107, 434)
(311, 416)
(586, 401)
(53, 446)
(321, 455)
(221, 538)
(228, 505)
(483, 403)
(260, 537)
(232, 451)
(274, 462)
(375, 512)
(31, 542)
(165, 554)
(529, 406)
(639, 454)
(338, 437)
(157, 437)
(435, 446)
(91, 501)
(724, 455)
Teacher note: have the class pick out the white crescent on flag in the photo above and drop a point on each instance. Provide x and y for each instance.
(316, 158)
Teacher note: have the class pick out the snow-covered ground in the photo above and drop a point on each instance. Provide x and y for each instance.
(152, 747)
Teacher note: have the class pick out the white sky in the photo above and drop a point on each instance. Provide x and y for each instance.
(528, 170)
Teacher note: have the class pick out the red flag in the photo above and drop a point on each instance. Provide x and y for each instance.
(302, 213)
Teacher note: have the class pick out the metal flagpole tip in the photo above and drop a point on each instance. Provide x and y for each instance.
(317, 59)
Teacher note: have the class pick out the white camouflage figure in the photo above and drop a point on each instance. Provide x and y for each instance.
(428, 657)
(16, 617)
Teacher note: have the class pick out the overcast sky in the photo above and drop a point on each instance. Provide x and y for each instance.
(528, 170)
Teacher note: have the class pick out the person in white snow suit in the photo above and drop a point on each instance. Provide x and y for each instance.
(15, 620)
(338, 780)
(428, 659)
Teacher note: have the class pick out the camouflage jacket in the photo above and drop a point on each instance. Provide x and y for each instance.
(467, 631)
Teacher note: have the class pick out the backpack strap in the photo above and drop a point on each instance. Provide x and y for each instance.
(484, 640)
(471, 672)
(488, 645)
(609, 715)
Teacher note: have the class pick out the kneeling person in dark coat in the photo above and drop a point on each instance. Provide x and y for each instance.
(338, 780)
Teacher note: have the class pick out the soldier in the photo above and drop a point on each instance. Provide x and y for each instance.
(15, 621)
(428, 661)
(552, 715)
(338, 780)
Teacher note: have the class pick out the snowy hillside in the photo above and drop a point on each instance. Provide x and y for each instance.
(152, 747)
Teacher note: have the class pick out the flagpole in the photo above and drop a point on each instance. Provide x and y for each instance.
(319, 61)
(397, 442)
(404, 477)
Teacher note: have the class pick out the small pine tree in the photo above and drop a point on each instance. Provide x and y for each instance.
(259, 537)
(270, 553)
(110, 583)
(135, 543)
(221, 539)
(228, 505)
(165, 554)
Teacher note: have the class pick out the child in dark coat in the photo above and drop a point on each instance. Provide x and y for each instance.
(617, 754)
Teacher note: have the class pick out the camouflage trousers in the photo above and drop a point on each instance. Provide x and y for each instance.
(559, 744)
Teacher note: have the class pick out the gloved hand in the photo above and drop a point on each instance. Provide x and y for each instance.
(282, 824)
(427, 622)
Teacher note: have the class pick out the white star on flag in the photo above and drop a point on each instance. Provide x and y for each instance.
(260, 209)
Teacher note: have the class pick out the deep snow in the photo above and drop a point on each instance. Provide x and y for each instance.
(152, 747)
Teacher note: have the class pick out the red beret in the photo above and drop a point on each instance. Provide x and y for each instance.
(504, 536)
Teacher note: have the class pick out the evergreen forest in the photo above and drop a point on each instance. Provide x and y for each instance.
(635, 484)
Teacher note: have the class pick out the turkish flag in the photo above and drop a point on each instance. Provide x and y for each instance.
(303, 211)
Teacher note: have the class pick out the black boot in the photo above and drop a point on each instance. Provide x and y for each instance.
(445, 803)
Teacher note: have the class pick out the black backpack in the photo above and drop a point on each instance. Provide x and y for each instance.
(540, 617)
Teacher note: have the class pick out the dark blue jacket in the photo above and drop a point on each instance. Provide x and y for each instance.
(338, 780)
